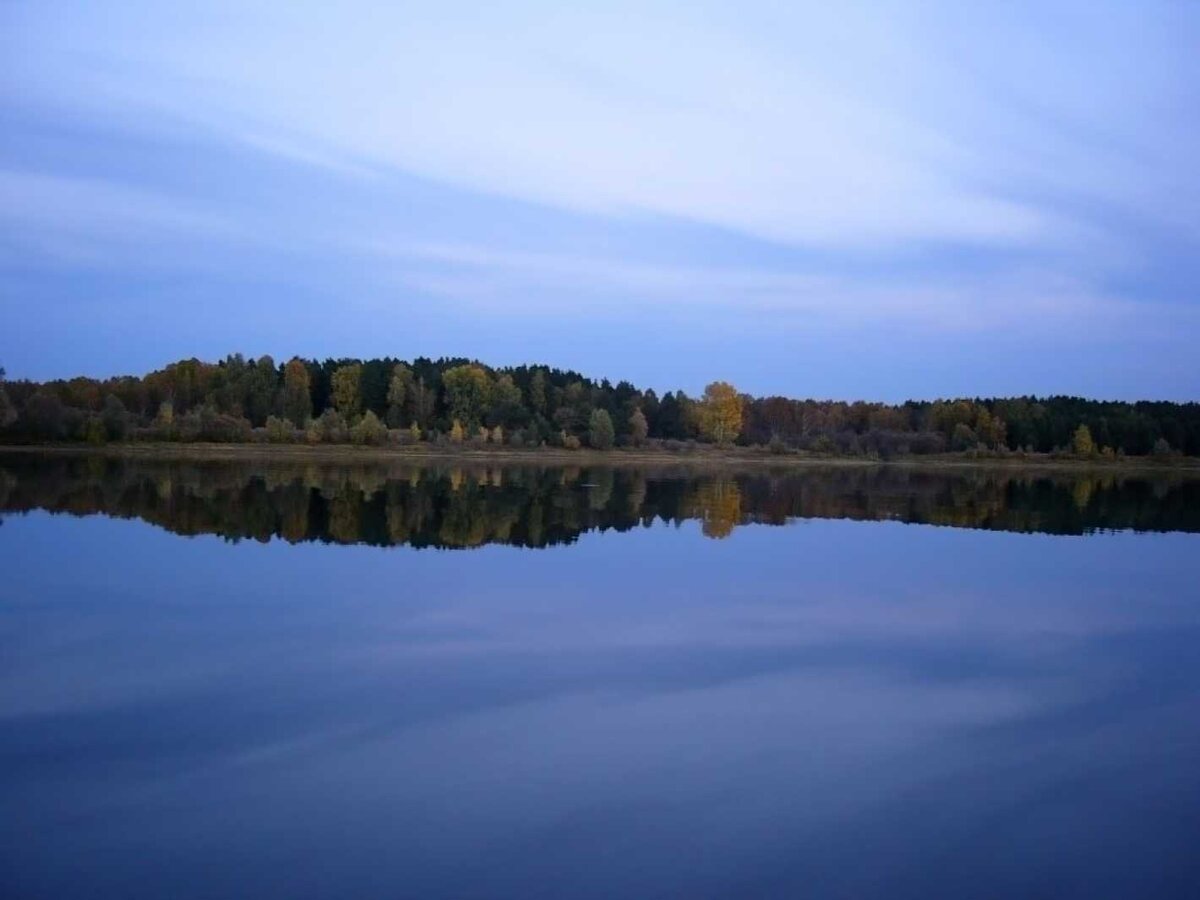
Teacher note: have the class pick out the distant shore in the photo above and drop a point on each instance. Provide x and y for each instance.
(700, 456)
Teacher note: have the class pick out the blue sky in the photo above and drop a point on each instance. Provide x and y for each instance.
(835, 200)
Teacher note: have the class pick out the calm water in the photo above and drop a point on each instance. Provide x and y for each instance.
(230, 680)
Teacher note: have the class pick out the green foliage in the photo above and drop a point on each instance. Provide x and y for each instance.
(223, 400)
(328, 428)
(468, 393)
(400, 392)
(94, 432)
(369, 430)
(280, 431)
(8, 411)
(600, 430)
(116, 419)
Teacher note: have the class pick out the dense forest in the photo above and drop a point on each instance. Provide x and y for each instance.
(461, 401)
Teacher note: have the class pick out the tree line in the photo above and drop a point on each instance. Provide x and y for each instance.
(456, 400)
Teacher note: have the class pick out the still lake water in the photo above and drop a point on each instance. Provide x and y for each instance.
(352, 681)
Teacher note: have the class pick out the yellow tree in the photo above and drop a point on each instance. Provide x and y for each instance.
(297, 399)
(721, 412)
(1082, 442)
(345, 384)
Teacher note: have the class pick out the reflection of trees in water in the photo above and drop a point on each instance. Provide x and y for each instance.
(467, 506)
(717, 503)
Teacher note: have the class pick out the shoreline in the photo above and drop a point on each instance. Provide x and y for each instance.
(708, 456)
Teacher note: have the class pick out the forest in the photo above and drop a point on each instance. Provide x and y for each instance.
(452, 401)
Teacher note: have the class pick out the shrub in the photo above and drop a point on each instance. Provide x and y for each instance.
(368, 430)
(328, 428)
(280, 431)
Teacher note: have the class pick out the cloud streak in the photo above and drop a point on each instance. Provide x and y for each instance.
(938, 173)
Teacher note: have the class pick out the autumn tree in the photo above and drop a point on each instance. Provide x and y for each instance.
(1082, 442)
(638, 428)
(345, 386)
(721, 413)
(297, 393)
(600, 430)
(166, 414)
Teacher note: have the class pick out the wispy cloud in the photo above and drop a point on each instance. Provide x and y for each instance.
(952, 174)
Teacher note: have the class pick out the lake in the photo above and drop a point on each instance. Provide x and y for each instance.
(393, 680)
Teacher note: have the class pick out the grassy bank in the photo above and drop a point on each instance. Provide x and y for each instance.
(699, 456)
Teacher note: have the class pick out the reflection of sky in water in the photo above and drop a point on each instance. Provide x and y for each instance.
(831, 708)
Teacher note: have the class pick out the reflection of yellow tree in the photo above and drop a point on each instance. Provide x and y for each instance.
(719, 505)
(636, 495)
(344, 517)
(1082, 492)
(163, 487)
(293, 512)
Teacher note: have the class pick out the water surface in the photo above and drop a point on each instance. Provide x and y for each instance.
(244, 680)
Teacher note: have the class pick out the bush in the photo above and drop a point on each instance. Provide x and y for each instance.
(823, 444)
(328, 428)
(206, 424)
(369, 430)
(280, 431)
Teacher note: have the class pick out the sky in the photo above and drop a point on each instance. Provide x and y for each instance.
(879, 201)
